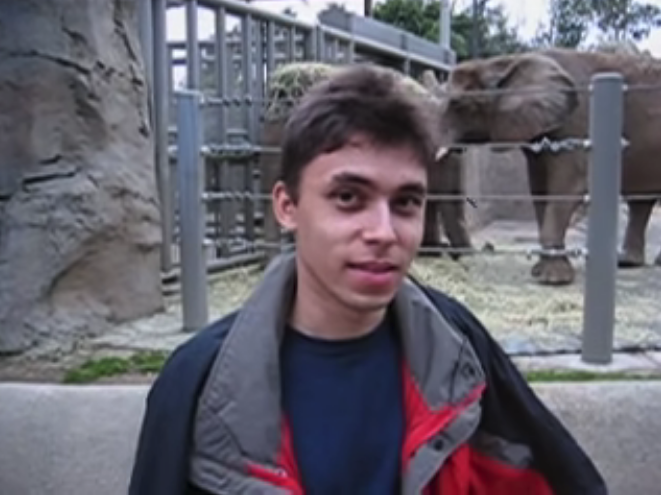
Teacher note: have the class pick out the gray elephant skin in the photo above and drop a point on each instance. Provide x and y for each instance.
(543, 94)
(288, 83)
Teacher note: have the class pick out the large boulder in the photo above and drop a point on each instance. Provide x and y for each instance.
(79, 218)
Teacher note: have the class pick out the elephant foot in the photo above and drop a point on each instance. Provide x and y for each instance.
(629, 259)
(463, 251)
(439, 249)
(553, 271)
(657, 260)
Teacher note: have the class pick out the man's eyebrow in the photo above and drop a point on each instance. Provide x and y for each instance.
(349, 178)
(414, 187)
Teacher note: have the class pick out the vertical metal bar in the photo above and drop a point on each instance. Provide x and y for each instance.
(145, 20)
(258, 88)
(221, 69)
(161, 122)
(310, 38)
(351, 51)
(222, 85)
(321, 44)
(444, 24)
(291, 44)
(270, 49)
(191, 212)
(474, 30)
(249, 58)
(333, 50)
(192, 46)
(606, 125)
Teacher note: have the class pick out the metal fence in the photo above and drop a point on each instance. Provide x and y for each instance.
(232, 63)
(211, 204)
(604, 147)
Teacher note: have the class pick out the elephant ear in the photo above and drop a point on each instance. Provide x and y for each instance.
(537, 97)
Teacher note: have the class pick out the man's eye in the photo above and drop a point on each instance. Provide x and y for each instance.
(408, 203)
(347, 198)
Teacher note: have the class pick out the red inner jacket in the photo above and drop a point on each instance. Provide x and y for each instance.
(465, 472)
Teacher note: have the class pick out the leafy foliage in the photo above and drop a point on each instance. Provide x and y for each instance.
(626, 19)
(571, 21)
(569, 24)
(493, 33)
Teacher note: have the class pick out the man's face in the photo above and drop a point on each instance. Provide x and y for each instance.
(359, 221)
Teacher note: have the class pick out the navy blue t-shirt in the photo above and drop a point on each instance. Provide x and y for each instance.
(344, 402)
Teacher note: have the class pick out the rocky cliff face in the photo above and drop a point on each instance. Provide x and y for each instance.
(79, 219)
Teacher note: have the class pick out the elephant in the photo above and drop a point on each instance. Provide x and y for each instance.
(557, 108)
(285, 87)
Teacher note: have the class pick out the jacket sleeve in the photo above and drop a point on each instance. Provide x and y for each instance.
(162, 455)
(512, 410)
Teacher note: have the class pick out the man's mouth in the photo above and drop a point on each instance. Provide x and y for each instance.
(374, 266)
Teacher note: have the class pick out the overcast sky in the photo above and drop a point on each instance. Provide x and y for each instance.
(525, 14)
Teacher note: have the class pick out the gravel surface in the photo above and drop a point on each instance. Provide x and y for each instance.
(526, 318)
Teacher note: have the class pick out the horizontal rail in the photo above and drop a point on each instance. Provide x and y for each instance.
(585, 198)
(488, 250)
(245, 8)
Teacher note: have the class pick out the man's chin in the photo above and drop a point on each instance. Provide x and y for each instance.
(370, 302)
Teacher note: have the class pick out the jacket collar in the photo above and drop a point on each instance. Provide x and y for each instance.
(239, 416)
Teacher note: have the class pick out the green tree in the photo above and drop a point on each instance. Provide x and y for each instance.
(494, 35)
(570, 21)
(568, 26)
(625, 19)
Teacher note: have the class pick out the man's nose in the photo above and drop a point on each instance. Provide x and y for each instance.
(379, 226)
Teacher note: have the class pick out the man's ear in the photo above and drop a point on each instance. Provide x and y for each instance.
(284, 207)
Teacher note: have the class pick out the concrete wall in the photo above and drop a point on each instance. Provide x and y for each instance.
(70, 440)
(489, 173)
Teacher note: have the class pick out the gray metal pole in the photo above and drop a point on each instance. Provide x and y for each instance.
(444, 24)
(161, 69)
(145, 19)
(606, 122)
(474, 30)
(192, 45)
(191, 212)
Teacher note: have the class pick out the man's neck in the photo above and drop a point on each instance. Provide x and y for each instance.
(319, 314)
(315, 321)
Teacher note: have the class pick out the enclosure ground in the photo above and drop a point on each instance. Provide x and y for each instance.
(527, 319)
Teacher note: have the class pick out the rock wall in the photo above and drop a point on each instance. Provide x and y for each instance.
(79, 219)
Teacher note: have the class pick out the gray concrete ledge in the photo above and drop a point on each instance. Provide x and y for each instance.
(66, 440)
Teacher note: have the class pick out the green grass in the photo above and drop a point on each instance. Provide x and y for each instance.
(584, 376)
(94, 369)
(152, 362)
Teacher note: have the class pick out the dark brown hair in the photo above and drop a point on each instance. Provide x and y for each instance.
(359, 99)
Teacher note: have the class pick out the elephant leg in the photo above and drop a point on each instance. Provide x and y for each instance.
(447, 179)
(537, 183)
(432, 233)
(556, 269)
(633, 249)
(565, 177)
(456, 230)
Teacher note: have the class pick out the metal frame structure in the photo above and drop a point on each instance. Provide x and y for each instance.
(205, 150)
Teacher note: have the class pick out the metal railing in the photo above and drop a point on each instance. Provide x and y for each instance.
(233, 64)
(195, 160)
(604, 146)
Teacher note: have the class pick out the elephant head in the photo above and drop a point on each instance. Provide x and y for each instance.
(511, 98)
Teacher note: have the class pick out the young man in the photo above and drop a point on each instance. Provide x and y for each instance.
(341, 374)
